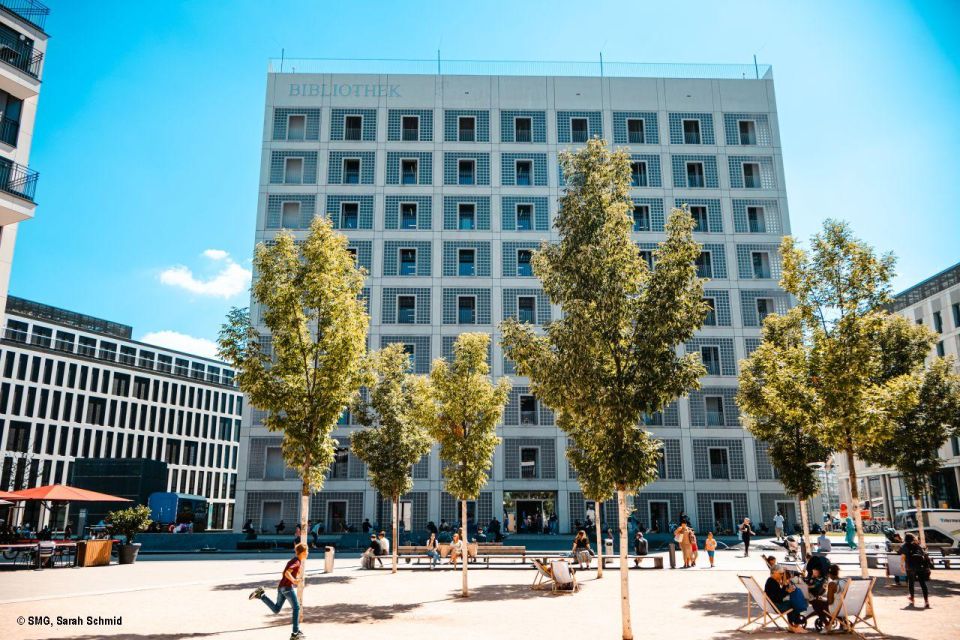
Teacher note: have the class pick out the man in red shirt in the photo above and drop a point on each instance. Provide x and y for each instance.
(287, 589)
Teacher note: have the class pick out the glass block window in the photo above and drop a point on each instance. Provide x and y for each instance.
(363, 250)
(345, 126)
(724, 347)
(513, 175)
(454, 132)
(301, 169)
(398, 121)
(758, 261)
(681, 132)
(453, 169)
(531, 128)
(390, 312)
(721, 511)
(751, 345)
(451, 211)
(540, 220)
(666, 508)
(684, 175)
(566, 122)
(655, 208)
(755, 304)
(702, 460)
(296, 124)
(451, 306)
(513, 261)
(515, 305)
(765, 468)
(396, 163)
(716, 262)
(337, 171)
(515, 461)
(447, 346)
(391, 257)
(418, 347)
(339, 210)
(451, 257)
(414, 505)
(721, 302)
(652, 163)
(281, 215)
(525, 409)
(635, 127)
(398, 213)
(670, 465)
(747, 129)
(752, 172)
(714, 407)
(714, 216)
(756, 216)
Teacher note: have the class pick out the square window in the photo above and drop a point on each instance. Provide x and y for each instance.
(711, 319)
(466, 262)
(408, 262)
(764, 308)
(529, 467)
(466, 216)
(466, 172)
(524, 217)
(940, 350)
(351, 171)
(710, 355)
(761, 264)
(466, 310)
(714, 406)
(522, 130)
(638, 174)
(410, 128)
(635, 130)
(748, 132)
(704, 263)
(691, 132)
(293, 170)
(296, 127)
(349, 215)
(527, 309)
(719, 464)
(641, 217)
(578, 129)
(695, 175)
(528, 409)
(467, 129)
(699, 214)
(408, 171)
(290, 215)
(524, 170)
(406, 309)
(408, 215)
(751, 175)
(756, 220)
(352, 127)
(955, 307)
(937, 322)
(524, 262)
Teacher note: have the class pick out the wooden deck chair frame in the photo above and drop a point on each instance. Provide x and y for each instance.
(769, 614)
(557, 585)
(544, 578)
(853, 618)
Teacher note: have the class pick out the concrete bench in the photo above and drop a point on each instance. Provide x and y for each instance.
(656, 562)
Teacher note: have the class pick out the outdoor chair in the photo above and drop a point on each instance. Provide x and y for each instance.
(564, 578)
(544, 578)
(767, 613)
(848, 610)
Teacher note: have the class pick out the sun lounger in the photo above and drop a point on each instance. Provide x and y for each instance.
(564, 578)
(767, 612)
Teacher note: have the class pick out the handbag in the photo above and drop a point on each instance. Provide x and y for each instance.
(678, 538)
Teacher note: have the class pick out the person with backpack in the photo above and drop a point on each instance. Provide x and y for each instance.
(918, 565)
(287, 589)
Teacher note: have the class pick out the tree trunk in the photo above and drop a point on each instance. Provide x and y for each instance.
(624, 576)
(918, 503)
(858, 521)
(464, 540)
(396, 530)
(304, 512)
(596, 504)
(806, 526)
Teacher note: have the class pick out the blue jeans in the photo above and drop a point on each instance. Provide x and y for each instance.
(283, 594)
(434, 556)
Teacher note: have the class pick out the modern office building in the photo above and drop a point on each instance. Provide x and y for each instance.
(23, 43)
(74, 386)
(935, 302)
(446, 179)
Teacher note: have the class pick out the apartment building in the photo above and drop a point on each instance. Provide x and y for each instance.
(447, 179)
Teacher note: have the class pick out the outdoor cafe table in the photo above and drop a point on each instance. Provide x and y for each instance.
(29, 547)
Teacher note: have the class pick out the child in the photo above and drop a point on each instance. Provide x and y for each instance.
(694, 551)
(710, 544)
(287, 589)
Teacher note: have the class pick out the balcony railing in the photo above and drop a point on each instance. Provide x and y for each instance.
(9, 131)
(19, 56)
(18, 180)
(351, 133)
(467, 135)
(30, 10)
(719, 472)
(715, 419)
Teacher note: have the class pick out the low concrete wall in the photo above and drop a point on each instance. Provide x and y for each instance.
(225, 541)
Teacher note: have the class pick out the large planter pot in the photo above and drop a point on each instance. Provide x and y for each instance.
(128, 553)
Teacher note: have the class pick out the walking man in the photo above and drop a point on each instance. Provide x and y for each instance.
(287, 589)
(778, 525)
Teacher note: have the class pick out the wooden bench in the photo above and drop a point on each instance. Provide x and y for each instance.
(419, 552)
(655, 561)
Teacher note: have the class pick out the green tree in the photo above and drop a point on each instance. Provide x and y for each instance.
(596, 482)
(924, 408)
(394, 440)
(778, 408)
(612, 357)
(309, 297)
(461, 407)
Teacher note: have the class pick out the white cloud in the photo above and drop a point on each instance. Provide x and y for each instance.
(231, 280)
(182, 342)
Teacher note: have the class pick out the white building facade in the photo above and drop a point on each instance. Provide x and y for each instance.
(74, 386)
(446, 183)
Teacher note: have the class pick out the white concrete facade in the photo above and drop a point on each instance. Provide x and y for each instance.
(703, 130)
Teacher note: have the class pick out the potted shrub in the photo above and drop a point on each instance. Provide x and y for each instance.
(130, 522)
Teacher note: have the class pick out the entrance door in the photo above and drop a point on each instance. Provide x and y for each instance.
(789, 512)
(336, 516)
(659, 515)
(530, 516)
(270, 515)
(723, 517)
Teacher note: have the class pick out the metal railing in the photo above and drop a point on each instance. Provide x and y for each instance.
(466, 135)
(715, 419)
(352, 133)
(30, 10)
(597, 68)
(18, 180)
(19, 56)
(719, 472)
(9, 131)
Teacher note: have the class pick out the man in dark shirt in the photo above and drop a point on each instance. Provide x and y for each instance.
(287, 589)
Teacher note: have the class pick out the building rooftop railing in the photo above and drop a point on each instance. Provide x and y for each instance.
(438, 66)
(40, 311)
(933, 285)
(30, 10)
(19, 180)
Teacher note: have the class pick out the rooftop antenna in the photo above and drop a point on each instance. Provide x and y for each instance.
(438, 62)
(755, 67)
(601, 64)
(282, 51)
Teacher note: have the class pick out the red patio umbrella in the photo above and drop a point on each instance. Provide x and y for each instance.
(8, 495)
(63, 493)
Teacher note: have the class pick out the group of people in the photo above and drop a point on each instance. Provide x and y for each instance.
(686, 537)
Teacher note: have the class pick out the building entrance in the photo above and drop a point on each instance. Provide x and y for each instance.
(659, 516)
(529, 511)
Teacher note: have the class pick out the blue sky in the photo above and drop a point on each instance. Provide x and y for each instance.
(150, 122)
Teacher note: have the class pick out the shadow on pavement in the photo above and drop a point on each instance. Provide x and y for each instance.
(732, 604)
(494, 592)
(346, 613)
(938, 589)
(141, 636)
(271, 583)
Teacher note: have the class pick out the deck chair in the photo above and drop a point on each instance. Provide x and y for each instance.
(544, 578)
(564, 579)
(858, 592)
(767, 613)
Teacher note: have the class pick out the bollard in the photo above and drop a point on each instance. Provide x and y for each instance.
(673, 555)
(328, 554)
(803, 550)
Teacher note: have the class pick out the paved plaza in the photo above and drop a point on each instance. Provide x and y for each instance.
(172, 598)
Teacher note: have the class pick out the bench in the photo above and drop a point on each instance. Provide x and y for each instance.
(419, 552)
(486, 552)
(656, 562)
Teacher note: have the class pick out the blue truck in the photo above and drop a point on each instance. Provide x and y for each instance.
(167, 507)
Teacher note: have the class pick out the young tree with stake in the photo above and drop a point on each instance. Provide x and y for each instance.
(595, 481)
